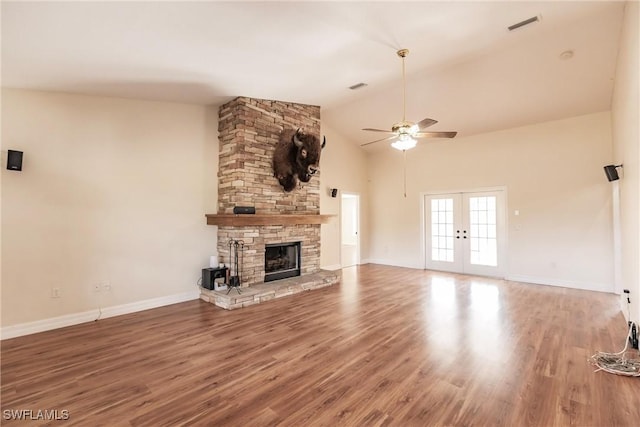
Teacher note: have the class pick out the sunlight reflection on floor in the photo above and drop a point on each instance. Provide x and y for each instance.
(466, 314)
(349, 292)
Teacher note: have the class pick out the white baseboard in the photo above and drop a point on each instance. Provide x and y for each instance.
(339, 266)
(586, 286)
(28, 328)
(394, 263)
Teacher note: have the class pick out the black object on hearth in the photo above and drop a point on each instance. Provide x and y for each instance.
(236, 251)
(209, 275)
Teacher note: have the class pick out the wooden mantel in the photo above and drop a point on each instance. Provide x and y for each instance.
(266, 219)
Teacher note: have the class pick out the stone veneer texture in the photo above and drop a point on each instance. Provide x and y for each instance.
(248, 132)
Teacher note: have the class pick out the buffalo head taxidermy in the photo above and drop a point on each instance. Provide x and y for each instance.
(296, 157)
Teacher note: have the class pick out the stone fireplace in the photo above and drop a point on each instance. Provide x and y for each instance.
(248, 132)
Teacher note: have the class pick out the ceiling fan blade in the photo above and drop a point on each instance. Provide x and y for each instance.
(435, 134)
(425, 123)
(379, 140)
(378, 130)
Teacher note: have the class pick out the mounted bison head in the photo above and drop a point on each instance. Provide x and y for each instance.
(297, 156)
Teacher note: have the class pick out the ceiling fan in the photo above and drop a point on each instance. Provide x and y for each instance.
(405, 132)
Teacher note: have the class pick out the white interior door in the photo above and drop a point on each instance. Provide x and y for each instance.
(350, 229)
(465, 232)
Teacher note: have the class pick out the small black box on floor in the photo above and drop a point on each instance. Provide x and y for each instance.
(244, 210)
(209, 276)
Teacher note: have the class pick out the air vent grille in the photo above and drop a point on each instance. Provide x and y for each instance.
(357, 86)
(523, 23)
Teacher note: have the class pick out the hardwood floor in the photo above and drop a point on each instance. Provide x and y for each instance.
(387, 346)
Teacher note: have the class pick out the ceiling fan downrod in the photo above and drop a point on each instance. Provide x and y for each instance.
(402, 53)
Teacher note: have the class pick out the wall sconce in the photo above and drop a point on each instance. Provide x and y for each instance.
(333, 192)
(612, 173)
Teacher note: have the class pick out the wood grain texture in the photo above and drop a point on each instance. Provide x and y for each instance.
(386, 347)
(236, 220)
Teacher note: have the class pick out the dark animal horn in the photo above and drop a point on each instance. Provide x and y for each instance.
(296, 140)
(324, 142)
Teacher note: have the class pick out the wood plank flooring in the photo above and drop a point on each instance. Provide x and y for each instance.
(386, 347)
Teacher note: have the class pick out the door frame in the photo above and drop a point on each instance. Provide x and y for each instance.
(423, 216)
(358, 218)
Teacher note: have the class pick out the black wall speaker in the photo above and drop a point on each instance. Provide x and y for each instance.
(334, 192)
(612, 173)
(14, 160)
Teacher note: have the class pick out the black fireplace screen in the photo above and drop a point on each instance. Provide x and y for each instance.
(281, 260)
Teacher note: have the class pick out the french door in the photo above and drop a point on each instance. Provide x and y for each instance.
(465, 232)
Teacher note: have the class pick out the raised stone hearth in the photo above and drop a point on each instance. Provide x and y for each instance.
(260, 293)
(248, 132)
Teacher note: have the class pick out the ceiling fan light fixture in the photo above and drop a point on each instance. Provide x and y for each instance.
(405, 131)
(404, 142)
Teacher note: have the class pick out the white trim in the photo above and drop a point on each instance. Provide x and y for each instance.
(47, 324)
(395, 264)
(586, 286)
(332, 267)
(423, 229)
(28, 328)
(468, 190)
(617, 241)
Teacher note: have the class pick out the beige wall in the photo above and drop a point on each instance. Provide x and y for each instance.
(115, 190)
(553, 175)
(111, 190)
(343, 166)
(626, 138)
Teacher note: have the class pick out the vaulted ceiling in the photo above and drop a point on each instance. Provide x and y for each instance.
(465, 69)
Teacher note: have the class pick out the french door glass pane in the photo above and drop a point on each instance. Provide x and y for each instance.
(442, 230)
(483, 225)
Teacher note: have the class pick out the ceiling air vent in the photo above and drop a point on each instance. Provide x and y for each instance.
(357, 86)
(524, 23)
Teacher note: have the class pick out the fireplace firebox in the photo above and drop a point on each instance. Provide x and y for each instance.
(281, 260)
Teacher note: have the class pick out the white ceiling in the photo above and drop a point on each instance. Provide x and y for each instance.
(464, 68)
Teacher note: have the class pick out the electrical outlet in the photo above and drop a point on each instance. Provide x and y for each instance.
(55, 292)
(106, 286)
